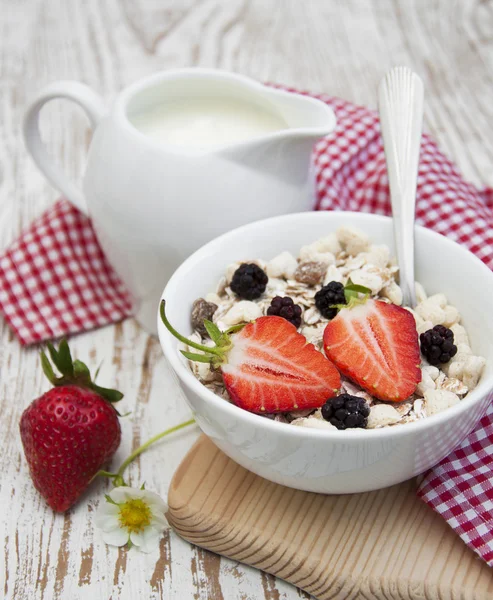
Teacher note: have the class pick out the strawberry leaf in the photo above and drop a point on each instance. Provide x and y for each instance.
(350, 295)
(97, 370)
(107, 393)
(235, 328)
(213, 331)
(353, 290)
(53, 355)
(129, 412)
(358, 288)
(47, 368)
(73, 372)
(196, 357)
(355, 287)
(65, 364)
(81, 370)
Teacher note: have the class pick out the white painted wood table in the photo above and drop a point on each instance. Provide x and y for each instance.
(339, 47)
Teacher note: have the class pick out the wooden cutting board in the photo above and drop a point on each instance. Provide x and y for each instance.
(379, 545)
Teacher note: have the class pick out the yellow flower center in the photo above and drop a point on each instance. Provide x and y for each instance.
(135, 515)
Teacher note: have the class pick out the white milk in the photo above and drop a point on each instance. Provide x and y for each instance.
(206, 123)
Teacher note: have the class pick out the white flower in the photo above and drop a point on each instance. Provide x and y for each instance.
(132, 515)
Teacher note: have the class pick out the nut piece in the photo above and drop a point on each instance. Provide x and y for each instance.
(313, 423)
(455, 368)
(312, 253)
(203, 371)
(242, 312)
(430, 310)
(329, 243)
(202, 310)
(370, 280)
(230, 271)
(312, 316)
(438, 400)
(426, 383)
(333, 274)
(438, 299)
(352, 240)
(431, 371)
(381, 415)
(222, 284)
(310, 273)
(314, 334)
(393, 292)
(472, 371)
(460, 334)
(378, 255)
(451, 315)
(283, 265)
(213, 297)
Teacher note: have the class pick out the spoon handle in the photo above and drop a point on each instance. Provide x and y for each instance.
(400, 104)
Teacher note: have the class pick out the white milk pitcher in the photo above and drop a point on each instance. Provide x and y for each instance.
(181, 157)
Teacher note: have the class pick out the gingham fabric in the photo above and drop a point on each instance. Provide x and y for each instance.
(460, 489)
(55, 281)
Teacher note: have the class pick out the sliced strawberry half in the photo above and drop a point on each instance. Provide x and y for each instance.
(376, 345)
(267, 366)
(271, 368)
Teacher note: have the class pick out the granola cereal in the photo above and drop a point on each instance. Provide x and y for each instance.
(345, 255)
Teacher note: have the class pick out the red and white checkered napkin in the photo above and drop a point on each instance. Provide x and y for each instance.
(55, 281)
(460, 489)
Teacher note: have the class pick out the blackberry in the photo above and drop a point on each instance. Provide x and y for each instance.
(249, 281)
(346, 411)
(287, 309)
(437, 345)
(330, 294)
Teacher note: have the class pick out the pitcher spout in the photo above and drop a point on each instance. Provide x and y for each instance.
(304, 116)
(285, 154)
(299, 117)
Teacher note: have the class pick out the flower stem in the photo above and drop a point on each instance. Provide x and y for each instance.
(149, 442)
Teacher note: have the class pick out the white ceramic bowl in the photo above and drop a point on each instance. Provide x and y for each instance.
(333, 461)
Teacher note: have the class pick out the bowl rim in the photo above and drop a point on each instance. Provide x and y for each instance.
(186, 376)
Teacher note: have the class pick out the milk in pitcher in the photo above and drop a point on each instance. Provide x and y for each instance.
(206, 123)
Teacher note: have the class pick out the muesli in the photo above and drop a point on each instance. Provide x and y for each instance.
(392, 369)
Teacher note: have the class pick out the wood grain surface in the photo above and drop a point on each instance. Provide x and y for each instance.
(385, 544)
(339, 47)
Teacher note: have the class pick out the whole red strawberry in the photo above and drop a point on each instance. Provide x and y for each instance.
(70, 432)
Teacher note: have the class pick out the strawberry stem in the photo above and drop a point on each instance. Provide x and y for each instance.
(207, 349)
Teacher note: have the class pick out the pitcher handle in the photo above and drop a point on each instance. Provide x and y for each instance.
(93, 106)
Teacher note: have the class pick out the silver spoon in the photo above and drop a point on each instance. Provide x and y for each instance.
(400, 104)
